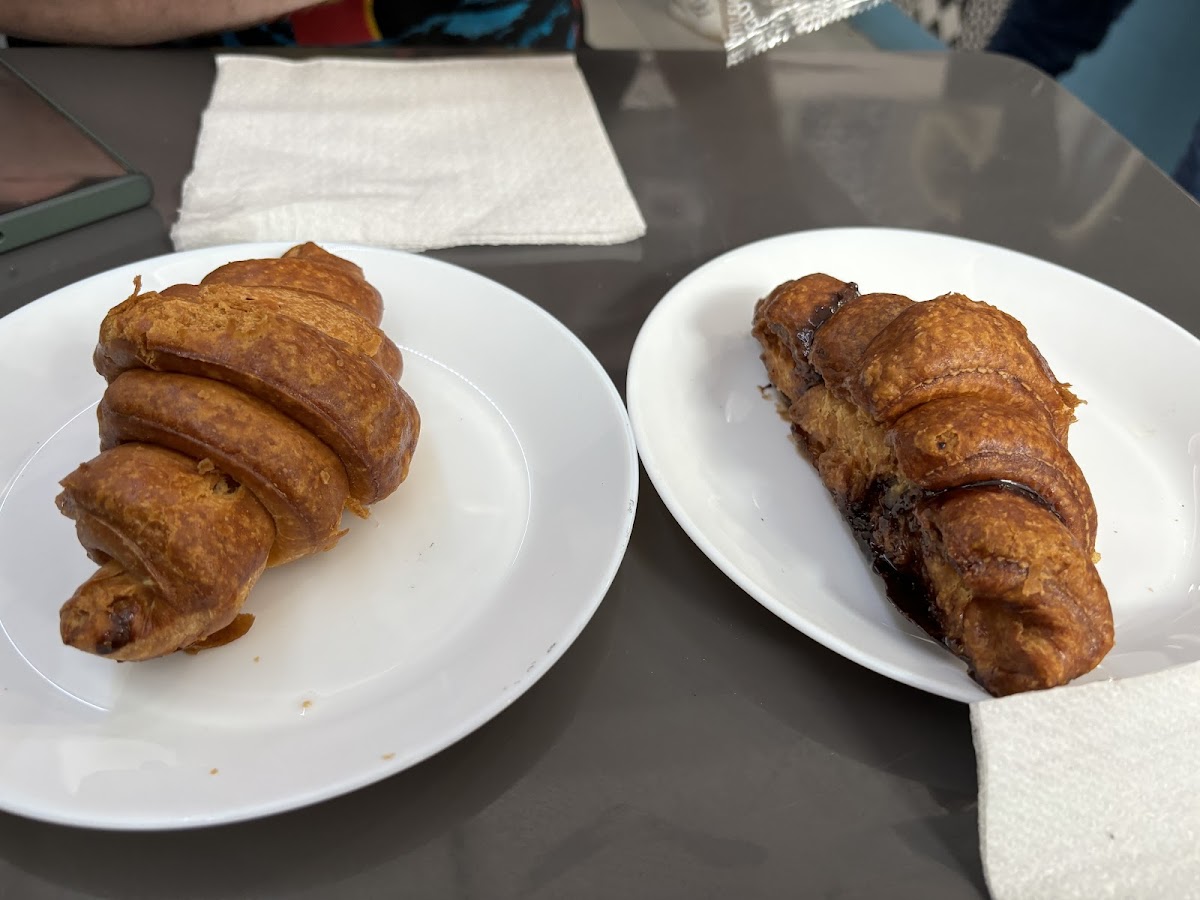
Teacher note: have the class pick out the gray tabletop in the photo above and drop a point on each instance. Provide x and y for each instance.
(689, 744)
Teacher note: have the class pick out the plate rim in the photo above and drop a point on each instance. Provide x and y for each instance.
(362, 775)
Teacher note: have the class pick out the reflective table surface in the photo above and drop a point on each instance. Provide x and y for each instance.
(689, 745)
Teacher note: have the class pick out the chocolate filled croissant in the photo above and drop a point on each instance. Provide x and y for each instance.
(239, 421)
(940, 431)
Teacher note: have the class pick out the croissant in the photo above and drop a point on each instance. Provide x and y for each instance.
(242, 416)
(941, 433)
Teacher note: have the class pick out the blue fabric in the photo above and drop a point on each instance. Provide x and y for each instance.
(533, 24)
(472, 24)
(1053, 34)
(1187, 173)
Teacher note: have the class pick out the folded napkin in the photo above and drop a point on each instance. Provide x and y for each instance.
(406, 154)
(1092, 791)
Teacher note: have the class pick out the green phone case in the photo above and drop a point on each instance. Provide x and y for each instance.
(74, 208)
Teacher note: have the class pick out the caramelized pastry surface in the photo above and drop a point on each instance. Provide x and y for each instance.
(940, 432)
(340, 395)
(297, 478)
(181, 547)
(305, 271)
(242, 416)
(334, 319)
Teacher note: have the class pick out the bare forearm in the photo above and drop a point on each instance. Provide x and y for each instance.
(133, 21)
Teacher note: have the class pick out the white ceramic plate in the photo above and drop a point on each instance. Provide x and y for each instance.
(720, 455)
(427, 620)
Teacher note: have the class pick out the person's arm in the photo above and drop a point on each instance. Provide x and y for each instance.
(131, 22)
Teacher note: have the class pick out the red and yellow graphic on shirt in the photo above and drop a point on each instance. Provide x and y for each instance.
(340, 22)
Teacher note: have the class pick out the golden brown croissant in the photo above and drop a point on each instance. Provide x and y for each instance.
(940, 431)
(330, 387)
(180, 549)
(239, 421)
(296, 478)
(305, 271)
(334, 319)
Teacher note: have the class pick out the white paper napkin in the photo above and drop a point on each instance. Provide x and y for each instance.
(1092, 791)
(405, 154)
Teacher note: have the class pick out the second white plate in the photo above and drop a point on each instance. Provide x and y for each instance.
(719, 454)
(429, 618)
